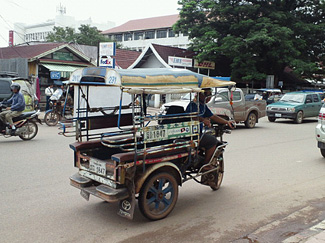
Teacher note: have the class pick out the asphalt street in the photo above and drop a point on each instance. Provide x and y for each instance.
(273, 188)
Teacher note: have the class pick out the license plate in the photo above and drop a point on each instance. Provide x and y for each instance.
(155, 135)
(277, 115)
(97, 167)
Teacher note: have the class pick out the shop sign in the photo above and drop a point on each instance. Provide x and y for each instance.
(66, 56)
(107, 62)
(204, 64)
(180, 61)
(11, 37)
(55, 75)
(107, 49)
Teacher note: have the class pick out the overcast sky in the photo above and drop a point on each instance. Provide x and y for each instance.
(100, 11)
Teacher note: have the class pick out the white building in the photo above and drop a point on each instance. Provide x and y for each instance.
(137, 34)
(38, 32)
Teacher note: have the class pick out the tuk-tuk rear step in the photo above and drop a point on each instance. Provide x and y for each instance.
(104, 192)
(107, 194)
(79, 181)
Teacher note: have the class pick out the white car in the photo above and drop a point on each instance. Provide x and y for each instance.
(320, 131)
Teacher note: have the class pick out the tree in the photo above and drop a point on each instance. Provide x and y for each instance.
(87, 35)
(61, 34)
(259, 37)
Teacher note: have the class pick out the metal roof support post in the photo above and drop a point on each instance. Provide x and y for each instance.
(157, 101)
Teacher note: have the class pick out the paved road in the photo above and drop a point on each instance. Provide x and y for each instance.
(273, 188)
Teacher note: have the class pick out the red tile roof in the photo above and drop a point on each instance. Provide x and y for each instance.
(27, 51)
(145, 24)
(124, 58)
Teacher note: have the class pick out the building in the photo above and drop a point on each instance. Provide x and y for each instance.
(38, 32)
(49, 62)
(137, 34)
(157, 56)
(43, 63)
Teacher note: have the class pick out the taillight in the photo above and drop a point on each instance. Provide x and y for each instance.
(321, 116)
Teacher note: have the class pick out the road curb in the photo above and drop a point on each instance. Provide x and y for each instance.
(314, 234)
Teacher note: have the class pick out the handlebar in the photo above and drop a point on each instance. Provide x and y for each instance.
(220, 129)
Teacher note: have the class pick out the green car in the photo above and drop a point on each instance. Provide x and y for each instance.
(295, 105)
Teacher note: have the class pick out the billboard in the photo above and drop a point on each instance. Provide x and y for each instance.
(107, 62)
(180, 61)
(107, 49)
(204, 64)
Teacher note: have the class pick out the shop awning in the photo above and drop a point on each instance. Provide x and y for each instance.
(60, 68)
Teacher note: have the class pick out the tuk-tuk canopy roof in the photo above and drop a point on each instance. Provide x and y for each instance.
(147, 80)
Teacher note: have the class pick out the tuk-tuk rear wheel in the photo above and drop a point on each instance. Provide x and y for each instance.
(158, 195)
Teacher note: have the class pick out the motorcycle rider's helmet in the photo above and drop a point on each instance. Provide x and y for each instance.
(15, 86)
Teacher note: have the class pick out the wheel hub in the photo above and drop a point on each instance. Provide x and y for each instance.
(160, 196)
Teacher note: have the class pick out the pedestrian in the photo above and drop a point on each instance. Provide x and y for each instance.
(49, 91)
(17, 107)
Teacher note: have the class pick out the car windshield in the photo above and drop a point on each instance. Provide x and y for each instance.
(188, 96)
(297, 98)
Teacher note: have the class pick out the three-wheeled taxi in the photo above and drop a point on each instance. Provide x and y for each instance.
(122, 152)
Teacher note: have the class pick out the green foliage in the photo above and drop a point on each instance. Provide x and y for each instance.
(260, 37)
(87, 35)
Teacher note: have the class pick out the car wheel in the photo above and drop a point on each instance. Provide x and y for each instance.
(322, 151)
(271, 119)
(251, 120)
(299, 117)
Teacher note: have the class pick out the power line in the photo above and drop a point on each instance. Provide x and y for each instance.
(5, 20)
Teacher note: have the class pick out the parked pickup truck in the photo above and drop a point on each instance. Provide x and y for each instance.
(242, 111)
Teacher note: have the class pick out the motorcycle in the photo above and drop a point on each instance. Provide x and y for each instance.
(58, 109)
(26, 127)
(53, 115)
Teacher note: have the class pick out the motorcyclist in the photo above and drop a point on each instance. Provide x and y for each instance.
(17, 107)
(207, 141)
(57, 94)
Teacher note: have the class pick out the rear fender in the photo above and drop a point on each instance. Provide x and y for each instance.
(166, 166)
(35, 118)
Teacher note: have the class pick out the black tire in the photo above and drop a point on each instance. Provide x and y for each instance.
(322, 151)
(299, 117)
(271, 119)
(158, 195)
(251, 120)
(51, 118)
(31, 130)
(215, 183)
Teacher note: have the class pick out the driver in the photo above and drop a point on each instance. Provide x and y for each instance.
(207, 141)
(17, 103)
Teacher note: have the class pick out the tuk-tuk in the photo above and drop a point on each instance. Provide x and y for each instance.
(122, 152)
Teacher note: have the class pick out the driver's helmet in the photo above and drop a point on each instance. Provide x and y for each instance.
(15, 86)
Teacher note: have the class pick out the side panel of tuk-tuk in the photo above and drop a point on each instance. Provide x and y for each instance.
(97, 96)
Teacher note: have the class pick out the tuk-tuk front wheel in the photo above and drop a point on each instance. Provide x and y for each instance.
(217, 176)
(158, 196)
